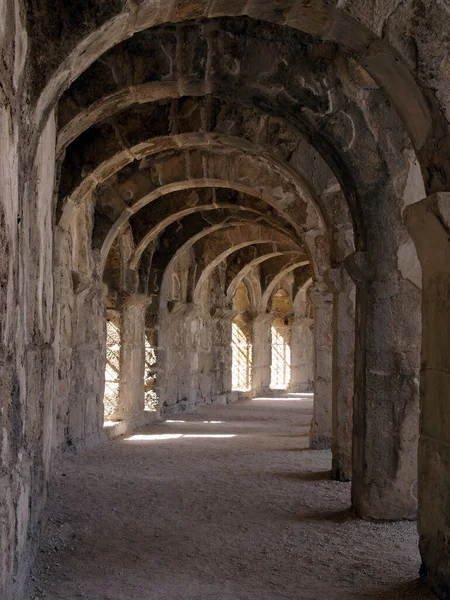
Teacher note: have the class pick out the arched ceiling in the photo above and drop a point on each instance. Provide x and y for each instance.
(349, 25)
(216, 121)
(211, 248)
(244, 267)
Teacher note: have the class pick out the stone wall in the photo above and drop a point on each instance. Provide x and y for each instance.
(194, 347)
(26, 311)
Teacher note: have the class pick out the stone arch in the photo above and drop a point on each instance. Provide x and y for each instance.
(376, 175)
(313, 237)
(206, 273)
(153, 233)
(241, 276)
(382, 62)
(277, 280)
(285, 140)
(239, 163)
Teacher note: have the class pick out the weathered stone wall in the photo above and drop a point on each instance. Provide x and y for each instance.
(194, 349)
(302, 345)
(429, 223)
(26, 311)
(80, 335)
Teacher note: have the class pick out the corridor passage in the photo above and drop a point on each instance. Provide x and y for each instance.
(226, 504)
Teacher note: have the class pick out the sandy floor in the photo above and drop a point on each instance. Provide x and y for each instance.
(227, 504)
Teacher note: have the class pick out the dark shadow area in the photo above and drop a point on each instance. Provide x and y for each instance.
(334, 516)
(313, 476)
(293, 435)
(408, 590)
(309, 476)
(291, 450)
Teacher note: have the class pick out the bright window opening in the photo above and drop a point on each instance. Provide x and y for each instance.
(151, 398)
(241, 347)
(242, 359)
(112, 370)
(281, 356)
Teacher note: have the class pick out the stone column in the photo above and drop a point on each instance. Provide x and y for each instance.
(429, 224)
(343, 288)
(221, 352)
(261, 353)
(132, 360)
(386, 411)
(321, 429)
(302, 348)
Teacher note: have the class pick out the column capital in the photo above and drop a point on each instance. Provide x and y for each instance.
(339, 280)
(300, 321)
(360, 267)
(223, 313)
(129, 300)
(263, 318)
(428, 222)
(319, 294)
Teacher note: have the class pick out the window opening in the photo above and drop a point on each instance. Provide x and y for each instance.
(242, 359)
(281, 356)
(112, 370)
(151, 397)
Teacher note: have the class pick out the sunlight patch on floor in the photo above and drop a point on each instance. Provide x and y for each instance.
(174, 436)
(194, 422)
(288, 398)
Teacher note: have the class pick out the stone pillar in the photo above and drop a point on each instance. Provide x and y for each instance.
(343, 288)
(302, 349)
(429, 224)
(132, 361)
(321, 429)
(221, 352)
(261, 353)
(386, 410)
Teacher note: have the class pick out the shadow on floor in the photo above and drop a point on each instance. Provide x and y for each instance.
(313, 476)
(291, 450)
(332, 516)
(408, 590)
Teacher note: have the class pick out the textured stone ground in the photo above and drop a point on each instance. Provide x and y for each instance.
(226, 504)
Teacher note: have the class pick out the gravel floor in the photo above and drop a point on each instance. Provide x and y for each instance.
(226, 504)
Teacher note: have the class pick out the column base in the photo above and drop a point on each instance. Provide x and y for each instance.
(438, 582)
(321, 443)
(382, 504)
(341, 472)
